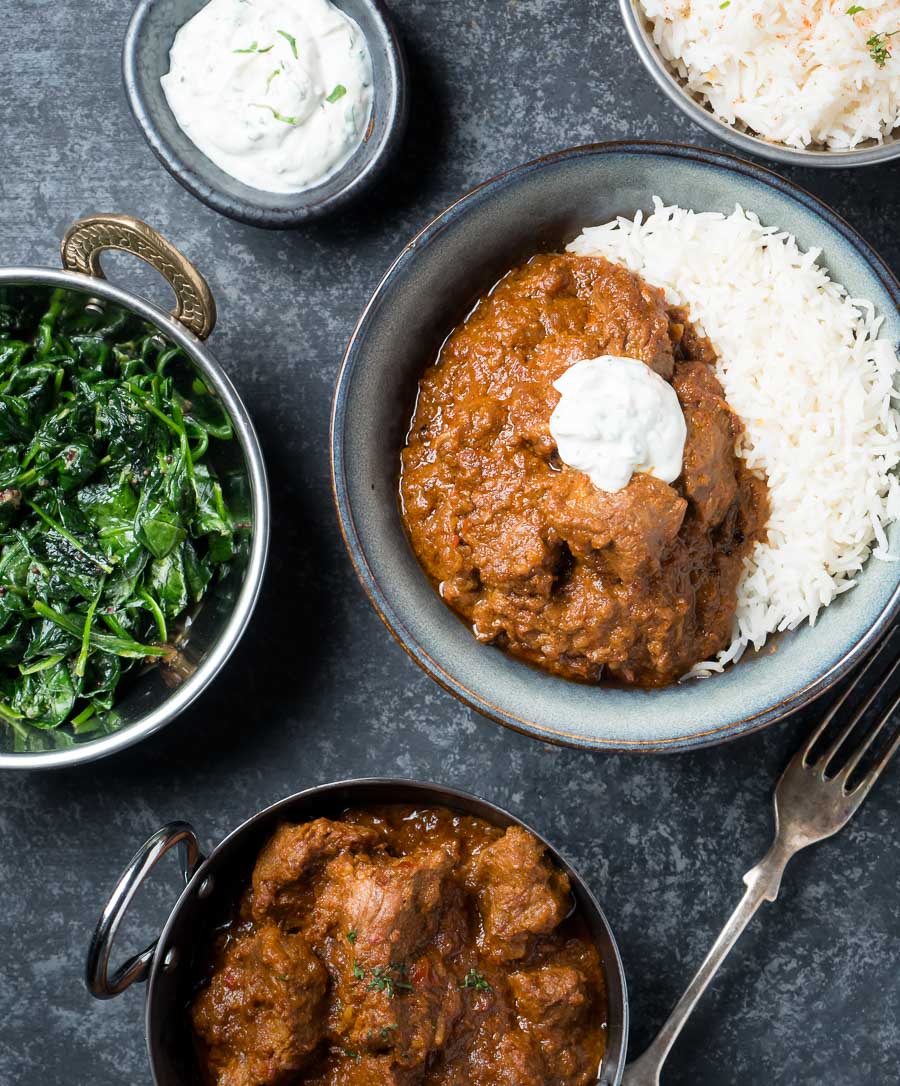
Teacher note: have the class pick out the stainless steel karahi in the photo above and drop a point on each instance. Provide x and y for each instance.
(869, 153)
(215, 629)
(213, 884)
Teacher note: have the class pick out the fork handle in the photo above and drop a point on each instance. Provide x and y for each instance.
(762, 882)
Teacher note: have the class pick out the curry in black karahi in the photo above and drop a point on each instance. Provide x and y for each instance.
(403, 947)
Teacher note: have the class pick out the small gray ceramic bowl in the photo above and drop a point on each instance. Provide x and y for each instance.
(869, 153)
(428, 290)
(146, 59)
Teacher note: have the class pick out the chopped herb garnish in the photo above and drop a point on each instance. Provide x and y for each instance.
(382, 981)
(351, 937)
(292, 42)
(855, 9)
(350, 1054)
(880, 48)
(253, 48)
(278, 116)
(337, 94)
(386, 1030)
(727, 4)
(358, 971)
(474, 979)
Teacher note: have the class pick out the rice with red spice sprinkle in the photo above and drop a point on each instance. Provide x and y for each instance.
(799, 72)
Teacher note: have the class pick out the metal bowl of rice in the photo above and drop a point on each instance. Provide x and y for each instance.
(828, 440)
(747, 72)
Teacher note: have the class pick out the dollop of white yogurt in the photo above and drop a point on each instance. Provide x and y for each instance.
(277, 93)
(617, 416)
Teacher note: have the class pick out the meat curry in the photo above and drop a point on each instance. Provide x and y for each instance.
(403, 947)
(636, 585)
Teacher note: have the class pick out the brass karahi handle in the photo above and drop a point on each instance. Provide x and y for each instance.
(88, 238)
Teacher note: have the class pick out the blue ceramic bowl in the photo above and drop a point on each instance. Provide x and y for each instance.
(146, 59)
(426, 292)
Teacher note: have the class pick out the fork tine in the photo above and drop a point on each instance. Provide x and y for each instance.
(860, 712)
(875, 772)
(857, 755)
(816, 734)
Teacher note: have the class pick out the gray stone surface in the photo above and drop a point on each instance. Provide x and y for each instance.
(811, 994)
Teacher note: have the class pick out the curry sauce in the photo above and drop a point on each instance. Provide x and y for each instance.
(636, 585)
(403, 947)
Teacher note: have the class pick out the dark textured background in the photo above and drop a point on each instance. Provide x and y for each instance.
(811, 994)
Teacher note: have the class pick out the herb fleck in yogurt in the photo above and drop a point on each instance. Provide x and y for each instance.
(277, 93)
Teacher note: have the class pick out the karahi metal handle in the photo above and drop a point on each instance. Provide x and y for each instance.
(87, 239)
(99, 982)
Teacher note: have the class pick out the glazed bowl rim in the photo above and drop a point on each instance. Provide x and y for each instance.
(378, 598)
(443, 795)
(231, 632)
(245, 210)
(658, 69)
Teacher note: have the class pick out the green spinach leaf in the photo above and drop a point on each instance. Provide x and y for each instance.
(112, 520)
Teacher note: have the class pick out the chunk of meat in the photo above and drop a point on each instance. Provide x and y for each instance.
(520, 893)
(629, 316)
(405, 1012)
(390, 996)
(365, 1070)
(293, 854)
(505, 539)
(261, 1015)
(708, 483)
(708, 475)
(689, 344)
(513, 1059)
(632, 527)
(392, 905)
(552, 1002)
(550, 995)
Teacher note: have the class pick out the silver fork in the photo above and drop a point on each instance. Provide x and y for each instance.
(809, 806)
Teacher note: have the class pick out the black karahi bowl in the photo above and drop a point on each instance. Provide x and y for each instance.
(213, 884)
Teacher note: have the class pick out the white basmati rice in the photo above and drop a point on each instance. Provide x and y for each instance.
(801, 364)
(799, 72)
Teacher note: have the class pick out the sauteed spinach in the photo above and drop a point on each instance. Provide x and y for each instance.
(112, 522)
